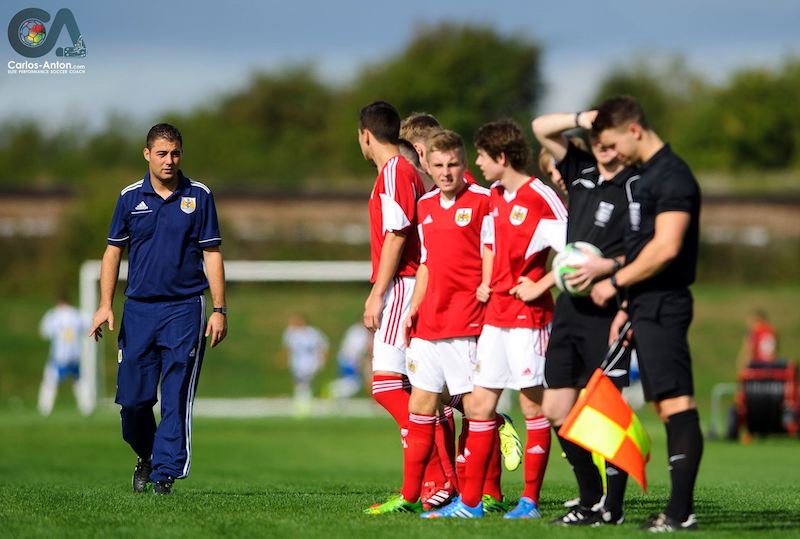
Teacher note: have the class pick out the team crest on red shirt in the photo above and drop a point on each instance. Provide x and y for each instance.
(188, 204)
(518, 215)
(463, 216)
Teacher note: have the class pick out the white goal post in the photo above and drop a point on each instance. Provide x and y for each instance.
(235, 270)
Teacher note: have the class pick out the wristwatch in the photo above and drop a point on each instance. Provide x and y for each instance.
(221, 310)
(614, 282)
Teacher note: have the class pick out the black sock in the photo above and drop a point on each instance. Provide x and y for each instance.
(616, 481)
(685, 447)
(590, 484)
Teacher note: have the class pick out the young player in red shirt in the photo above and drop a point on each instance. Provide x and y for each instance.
(445, 316)
(528, 220)
(395, 258)
(761, 343)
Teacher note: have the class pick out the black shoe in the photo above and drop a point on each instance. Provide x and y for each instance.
(163, 487)
(662, 523)
(141, 475)
(579, 516)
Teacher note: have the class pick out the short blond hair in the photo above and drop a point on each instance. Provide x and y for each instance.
(545, 158)
(445, 140)
(418, 126)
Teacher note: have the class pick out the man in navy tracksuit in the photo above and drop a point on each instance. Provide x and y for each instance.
(169, 224)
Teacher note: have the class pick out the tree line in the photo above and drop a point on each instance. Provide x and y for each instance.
(291, 130)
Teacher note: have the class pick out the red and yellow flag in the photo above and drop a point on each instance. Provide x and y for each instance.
(602, 422)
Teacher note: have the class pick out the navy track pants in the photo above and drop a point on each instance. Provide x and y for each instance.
(160, 341)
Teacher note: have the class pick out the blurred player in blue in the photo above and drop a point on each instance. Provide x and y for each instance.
(351, 359)
(307, 349)
(62, 326)
(169, 224)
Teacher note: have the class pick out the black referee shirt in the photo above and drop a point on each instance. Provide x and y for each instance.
(665, 184)
(598, 211)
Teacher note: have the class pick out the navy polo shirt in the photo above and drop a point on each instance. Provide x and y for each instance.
(166, 238)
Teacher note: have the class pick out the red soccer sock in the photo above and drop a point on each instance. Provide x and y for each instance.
(390, 392)
(494, 469)
(462, 443)
(477, 452)
(419, 443)
(445, 445)
(537, 450)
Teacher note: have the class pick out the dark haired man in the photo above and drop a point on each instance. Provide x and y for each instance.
(169, 224)
(661, 258)
(395, 252)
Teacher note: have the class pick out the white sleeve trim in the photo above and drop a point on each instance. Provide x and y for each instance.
(200, 185)
(549, 233)
(209, 239)
(392, 215)
(487, 232)
(126, 238)
(131, 187)
(423, 255)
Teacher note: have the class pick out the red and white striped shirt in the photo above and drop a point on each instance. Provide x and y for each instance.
(392, 208)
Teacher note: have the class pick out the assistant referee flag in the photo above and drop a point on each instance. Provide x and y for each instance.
(602, 422)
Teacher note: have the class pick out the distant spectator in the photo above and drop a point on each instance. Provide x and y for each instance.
(353, 352)
(63, 326)
(307, 349)
(760, 345)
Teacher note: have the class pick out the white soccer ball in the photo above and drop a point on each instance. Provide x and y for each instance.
(565, 263)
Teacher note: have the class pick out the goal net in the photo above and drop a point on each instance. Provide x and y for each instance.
(296, 284)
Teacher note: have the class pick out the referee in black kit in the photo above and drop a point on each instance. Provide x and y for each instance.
(595, 182)
(661, 252)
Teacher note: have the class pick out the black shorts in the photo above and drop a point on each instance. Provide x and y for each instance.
(579, 343)
(660, 321)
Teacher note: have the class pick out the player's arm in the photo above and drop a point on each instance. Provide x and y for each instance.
(217, 325)
(420, 287)
(487, 262)
(662, 249)
(109, 273)
(393, 244)
(528, 290)
(549, 129)
(484, 290)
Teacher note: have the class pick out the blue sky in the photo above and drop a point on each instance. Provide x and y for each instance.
(146, 57)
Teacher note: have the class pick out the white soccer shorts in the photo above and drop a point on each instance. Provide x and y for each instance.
(388, 345)
(511, 358)
(433, 364)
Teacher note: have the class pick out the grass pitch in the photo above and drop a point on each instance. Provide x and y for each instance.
(68, 476)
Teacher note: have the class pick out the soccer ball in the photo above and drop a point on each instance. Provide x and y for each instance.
(564, 263)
